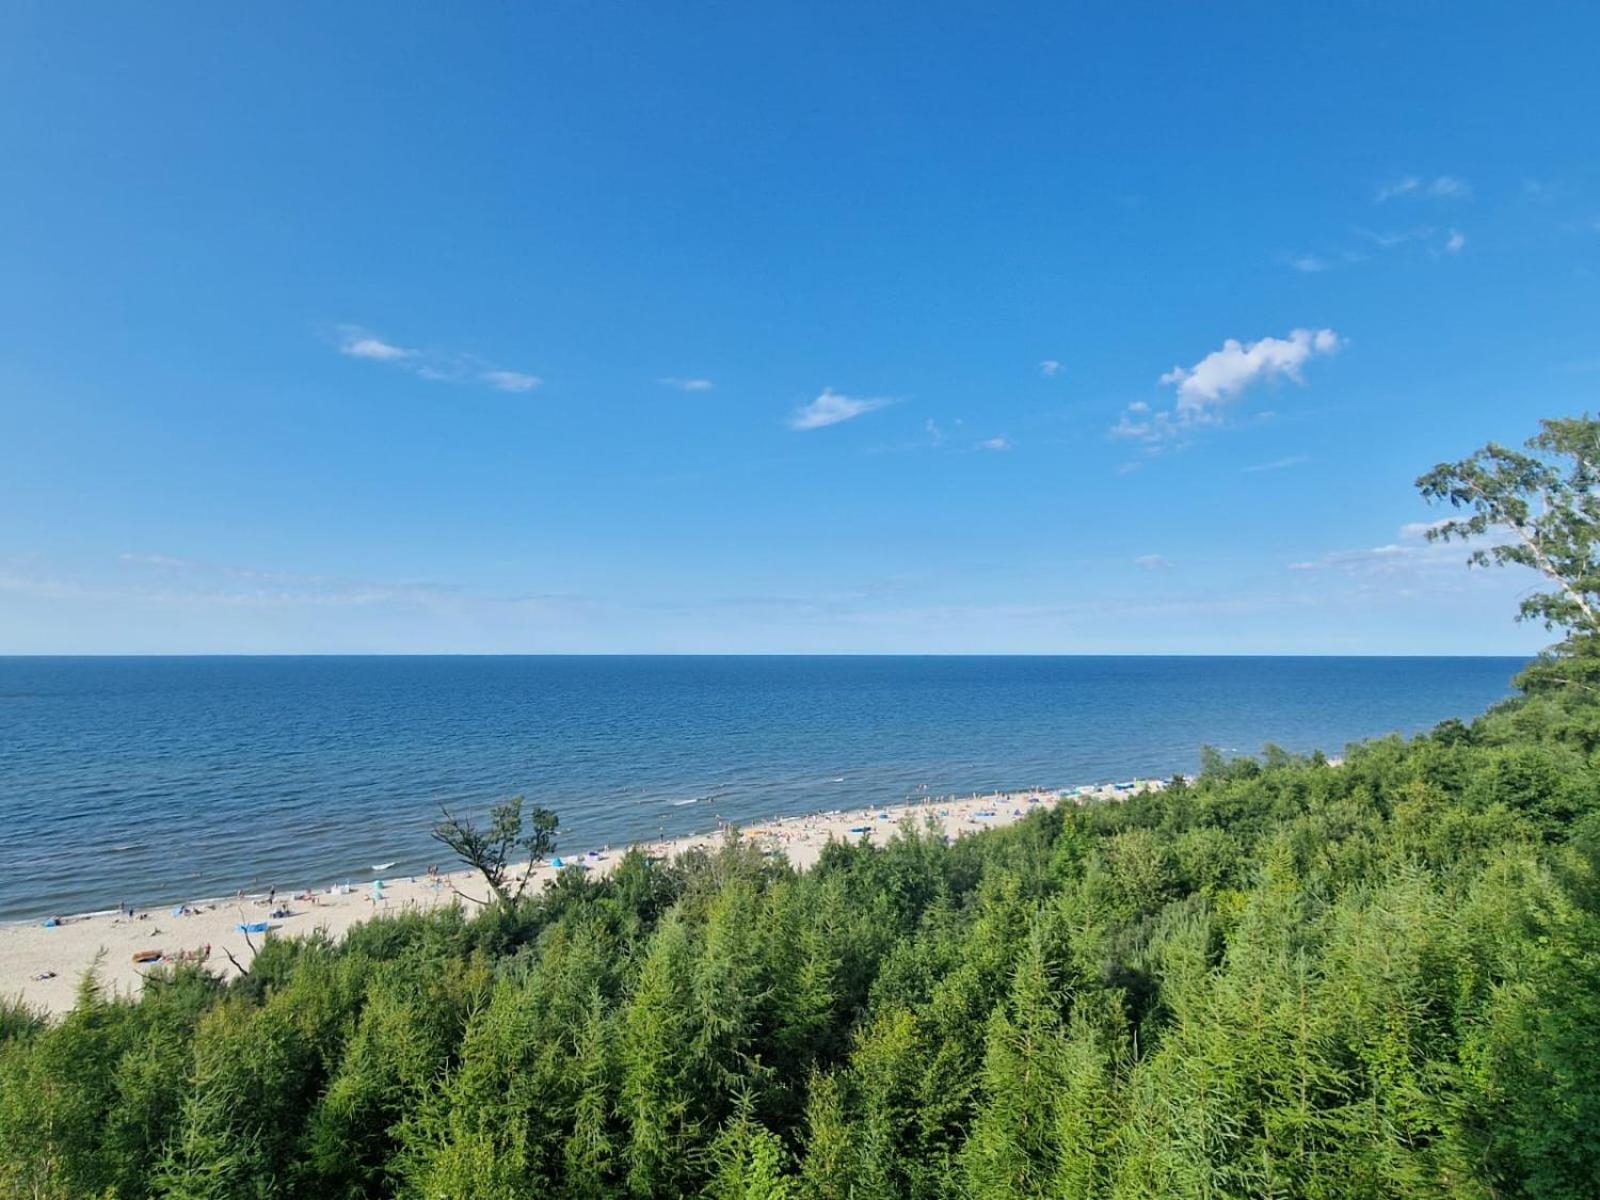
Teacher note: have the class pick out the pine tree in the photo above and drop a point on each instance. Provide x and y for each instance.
(658, 1087)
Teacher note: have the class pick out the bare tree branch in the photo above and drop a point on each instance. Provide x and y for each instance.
(491, 851)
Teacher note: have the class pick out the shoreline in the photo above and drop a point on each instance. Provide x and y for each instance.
(42, 963)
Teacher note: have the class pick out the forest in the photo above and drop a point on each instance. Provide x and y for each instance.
(1285, 977)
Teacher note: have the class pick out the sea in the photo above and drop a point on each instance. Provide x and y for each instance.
(157, 780)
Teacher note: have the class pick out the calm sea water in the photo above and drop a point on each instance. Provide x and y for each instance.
(158, 779)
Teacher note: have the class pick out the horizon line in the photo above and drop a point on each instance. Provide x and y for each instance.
(748, 654)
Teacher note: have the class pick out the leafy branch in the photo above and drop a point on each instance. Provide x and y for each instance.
(1548, 501)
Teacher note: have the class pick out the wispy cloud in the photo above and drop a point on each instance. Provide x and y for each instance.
(258, 586)
(171, 581)
(994, 443)
(1443, 187)
(1388, 239)
(1309, 264)
(1409, 554)
(832, 408)
(1128, 427)
(1407, 186)
(1434, 240)
(1153, 562)
(1414, 187)
(432, 365)
(358, 344)
(510, 381)
(1278, 464)
(1543, 190)
(155, 560)
(1050, 368)
(1417, 531)
(687, 385)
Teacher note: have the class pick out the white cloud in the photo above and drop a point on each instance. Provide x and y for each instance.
(687, 385)
(1152, 562)
(432, 365)
(510, 381)
(1400, 187)
(1455, 241)
(1050, 368)
(1308, 263)
(1225, 373)
(831, 407)
(994, 443)
(358, 343)
(1217, 379)
(1444, 187)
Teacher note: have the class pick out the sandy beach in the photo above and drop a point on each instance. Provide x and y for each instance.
(43, 963)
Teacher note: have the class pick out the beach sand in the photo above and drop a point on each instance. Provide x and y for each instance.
(44, 964)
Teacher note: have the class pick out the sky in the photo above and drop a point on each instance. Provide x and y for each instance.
(779, 328)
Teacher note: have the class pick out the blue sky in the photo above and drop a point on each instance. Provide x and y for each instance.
(788, 328)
